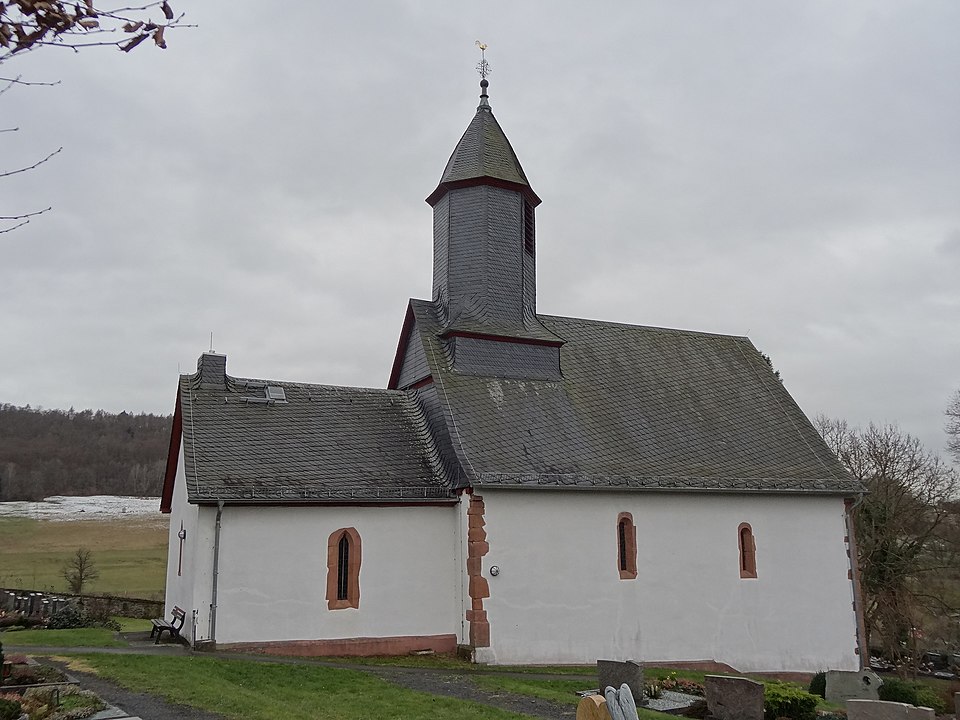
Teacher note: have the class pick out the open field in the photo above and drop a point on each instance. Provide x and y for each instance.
(130, 554)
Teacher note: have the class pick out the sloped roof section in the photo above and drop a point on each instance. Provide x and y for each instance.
(636, 408)
(483, 153)
(321, 443)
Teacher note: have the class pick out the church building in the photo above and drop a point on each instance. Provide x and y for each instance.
(528, 488)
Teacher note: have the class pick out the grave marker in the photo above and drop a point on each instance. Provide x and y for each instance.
(733, 698)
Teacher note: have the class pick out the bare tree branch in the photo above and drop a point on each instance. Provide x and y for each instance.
(25, 215)
(31, 167)
(908, 532)
(11, 229)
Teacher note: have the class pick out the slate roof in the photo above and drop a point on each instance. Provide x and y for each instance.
(638, 407)
(325, 443)
(483, 152)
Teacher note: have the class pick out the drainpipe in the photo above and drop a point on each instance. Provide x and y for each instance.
(216, 574)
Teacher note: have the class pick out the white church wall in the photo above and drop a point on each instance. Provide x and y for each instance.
(179, 591)
(273, 573)
(558, 596)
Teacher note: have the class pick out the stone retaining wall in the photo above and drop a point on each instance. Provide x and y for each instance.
(43, 604)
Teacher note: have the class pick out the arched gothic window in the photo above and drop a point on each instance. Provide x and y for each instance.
(343, 569)
(748, 551)
(626, 547)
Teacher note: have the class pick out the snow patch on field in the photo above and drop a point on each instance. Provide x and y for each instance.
(93, 507)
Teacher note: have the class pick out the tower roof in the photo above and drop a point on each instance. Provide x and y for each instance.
(483, 155)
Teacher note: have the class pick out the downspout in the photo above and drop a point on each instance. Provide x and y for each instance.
(216, 573)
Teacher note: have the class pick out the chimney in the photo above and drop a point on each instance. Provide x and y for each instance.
(212, 369)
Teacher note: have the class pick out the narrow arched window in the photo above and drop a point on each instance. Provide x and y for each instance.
(748, 551)
(343, 560)
(343, 569)
(626, 547)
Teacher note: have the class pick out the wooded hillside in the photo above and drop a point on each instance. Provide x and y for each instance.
(65, 452)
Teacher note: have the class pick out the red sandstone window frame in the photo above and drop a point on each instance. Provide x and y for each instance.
(336, 598)
(747, 545)
(626, 547)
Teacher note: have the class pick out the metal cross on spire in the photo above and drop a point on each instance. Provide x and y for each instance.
(483, 67)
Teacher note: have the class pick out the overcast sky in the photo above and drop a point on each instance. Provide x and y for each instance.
(789, 171)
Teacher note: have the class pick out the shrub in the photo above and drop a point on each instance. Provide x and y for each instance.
(912, 693)
(818, 684)
(786, 701)
(67, 618)
(10, 710)
(929, 697)
(75, 616)
(900, 691)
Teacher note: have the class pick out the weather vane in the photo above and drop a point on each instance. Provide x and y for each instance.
(483, 67)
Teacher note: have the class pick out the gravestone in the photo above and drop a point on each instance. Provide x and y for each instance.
(613, 673)
(843, 685)
(733, 698)
(628, 705)
(882, 710)
(620, 704)
(613, 704)
(593, 707)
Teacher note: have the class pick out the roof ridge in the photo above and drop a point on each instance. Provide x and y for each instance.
(634, 326)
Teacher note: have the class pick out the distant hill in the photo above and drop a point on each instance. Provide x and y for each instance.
(65, 452)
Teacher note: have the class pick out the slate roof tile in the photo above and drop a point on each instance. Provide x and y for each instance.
(637, 407)
(325, 443)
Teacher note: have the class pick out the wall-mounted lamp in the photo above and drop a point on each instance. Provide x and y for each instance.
(182, 534)
(494, 570)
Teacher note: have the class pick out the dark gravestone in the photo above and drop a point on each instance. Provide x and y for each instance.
(733, 698)
(614, 673)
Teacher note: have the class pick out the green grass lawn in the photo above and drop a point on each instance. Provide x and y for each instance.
(451, 662)
(130, 554)
(133, 624)
(562, 692)
(81, 637)
(261, 691)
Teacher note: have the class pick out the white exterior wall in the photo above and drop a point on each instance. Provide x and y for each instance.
(558, 596)
(273, 573)
(179, 586)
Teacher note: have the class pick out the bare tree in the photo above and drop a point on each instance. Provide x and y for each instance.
(953, 426)
(80, 570)
(906, 532)
(28, 25)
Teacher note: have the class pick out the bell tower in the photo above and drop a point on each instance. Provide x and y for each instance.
(484, 256)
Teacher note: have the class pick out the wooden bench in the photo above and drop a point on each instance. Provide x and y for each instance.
(161, 626)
